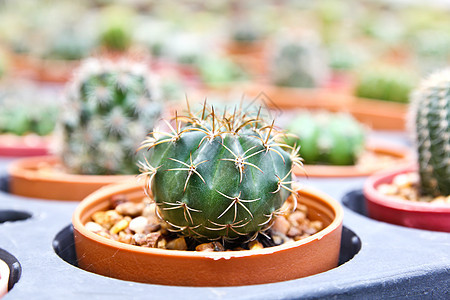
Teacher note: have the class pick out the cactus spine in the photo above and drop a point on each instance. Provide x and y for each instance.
(218, 176)
(430, 118)
(327, 138)
(110, 108)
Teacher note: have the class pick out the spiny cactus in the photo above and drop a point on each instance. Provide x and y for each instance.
(385, 83)
(430, 119)
(327, 138)
(298, 62)
(116, 32)
(110, 108)
(218, 176)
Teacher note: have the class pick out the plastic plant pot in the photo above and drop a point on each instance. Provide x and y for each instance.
(397, 211)
(29, 180)
(312, 255)
(23, 146)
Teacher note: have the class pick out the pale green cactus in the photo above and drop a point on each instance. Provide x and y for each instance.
(110, 108)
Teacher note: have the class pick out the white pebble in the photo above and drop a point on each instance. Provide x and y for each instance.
(138, 224)
(94, 227)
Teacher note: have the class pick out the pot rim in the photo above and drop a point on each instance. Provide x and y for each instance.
(25, 168)
(373, 195)
(128, 187)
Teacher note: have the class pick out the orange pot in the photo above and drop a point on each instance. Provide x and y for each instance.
(402, 155)
(4, 278)
(315, 254)
(27, 178)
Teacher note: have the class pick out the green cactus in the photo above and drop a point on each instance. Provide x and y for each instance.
(327, 138)
(298, 63)
(385, 83)
(19, 114)
(116, 28)
(110, 108)
(218, 175)
(430, 119)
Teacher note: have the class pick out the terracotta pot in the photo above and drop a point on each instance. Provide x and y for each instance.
(290, 98)
(27, 178)
(46, 70)
(379, 114)
(403, 212)
(20, 146)
(315, 254)
(402, 156)
(4, 278)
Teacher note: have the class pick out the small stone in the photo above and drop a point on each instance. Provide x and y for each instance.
(297, 217)
(255, 245)
(115, 200)
(152, 228)
(210, 247)
(119, 226)
(387, 189)
(125, 237)
(177, 244)
(94, 227)
(402, 180)
(131, 209)
(281, 225)
(138, 224)
(162, 244)
(294, 231)
(149, 211)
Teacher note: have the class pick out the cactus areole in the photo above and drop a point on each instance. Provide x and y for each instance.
(219, 177)
(430, 117)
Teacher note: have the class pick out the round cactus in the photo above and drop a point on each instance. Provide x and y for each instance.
(430, 119)
(327, 138)
(218, 176)
(298, 63)
(110, 108)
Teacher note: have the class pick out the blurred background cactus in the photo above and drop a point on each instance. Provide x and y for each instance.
(385, 83)
(21, 114)
(430, 119)
(116, 29)
(218, 175)
(110, 107)
(327, 138)
(298, 62)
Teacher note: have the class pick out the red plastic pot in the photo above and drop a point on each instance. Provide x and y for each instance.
(22, 146)
(393, 210)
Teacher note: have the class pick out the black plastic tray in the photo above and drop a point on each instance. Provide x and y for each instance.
(378, 260)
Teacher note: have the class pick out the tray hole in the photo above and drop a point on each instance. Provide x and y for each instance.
(356, 202)
(10, 215)
(14, 267)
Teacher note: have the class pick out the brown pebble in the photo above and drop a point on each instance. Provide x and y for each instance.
(131, 209)
(177, 244)
(281, 225)
(115, 200)
(297, 217)
(210, 247)
(294, 231)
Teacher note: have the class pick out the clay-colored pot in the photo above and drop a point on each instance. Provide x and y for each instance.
(402, 156)
(430, 216)
(4, 278)
(315, 254)
(29, 179)
(20, 146)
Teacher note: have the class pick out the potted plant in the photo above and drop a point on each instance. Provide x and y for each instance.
(26, 128)
(4, 278)
(335, 145)
(110, 106)
(390, 84)
(419, 196)
(218, 182)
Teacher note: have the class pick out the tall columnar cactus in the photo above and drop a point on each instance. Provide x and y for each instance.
(218, 175)
(110, 108)
(327, 138)
(298, 62)
(430, 119)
